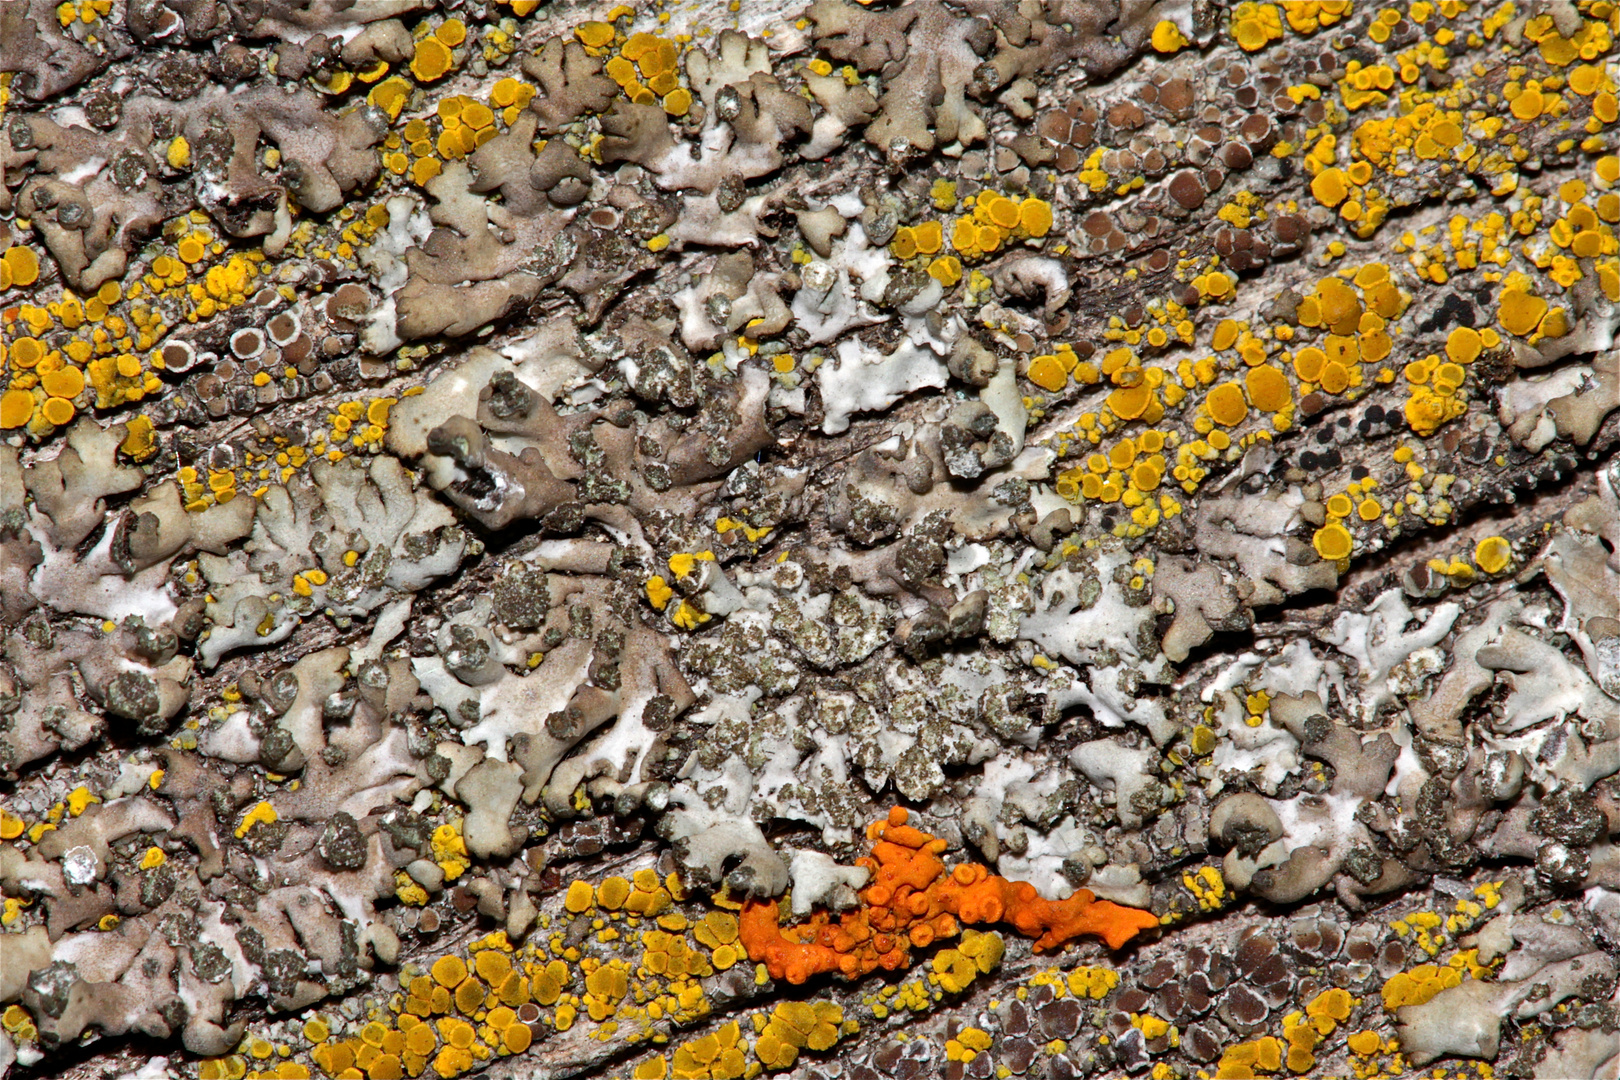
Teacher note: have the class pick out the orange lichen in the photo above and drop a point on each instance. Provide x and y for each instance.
(1132, 402)
(449, 970)
(390, 95)
(1521, 312)
(16, 408)
(1419, 985)
(1329, 187)
(516, 1038)
(1464, 344)
(1246, 1059)
(432, 59)
(1254, 26)
(1227, 405)
(63, 383)
(947, 270)
(929, 237)
(1035, 215)
(22, 264)
(911, 900)
(469, 996)
(1168, 38)
(1494, 554)
(1333, 542)
(1047, 372)
(1268, 388)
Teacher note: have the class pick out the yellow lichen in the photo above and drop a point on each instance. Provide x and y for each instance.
(1493, 554)
(1333, 542)
(262, 813)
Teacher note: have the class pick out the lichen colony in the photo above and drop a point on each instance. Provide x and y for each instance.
(1028, 539)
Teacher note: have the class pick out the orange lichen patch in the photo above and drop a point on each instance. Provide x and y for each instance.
(1227, 406)
(612, 893)
(1268, 388)
(1131, 402)
(469, 996)
(1167, 37)
(452, 32)
(1329, 1009)
(929, 237)
(1329, 187)
(432, 59)
(492, 966)
(1254, 26)
(1333, 542)
(1463, 344)
(910, 900)
(16, 408)
(64, 382)
(947, 270)
(516, 1038)
(1245, 1059)
(1048, 373)
(1493, 554)
(1419, 985)
(1520, 312)
(1335, 377)
(22, 264)
(678, 102)
(449, 971)
(1308, 363)
(1035, 215)
(985, 898)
